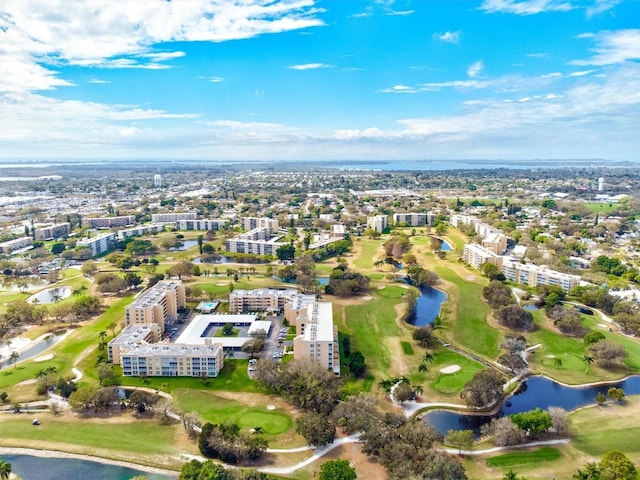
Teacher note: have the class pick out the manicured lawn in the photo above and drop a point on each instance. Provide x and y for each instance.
(601, 207)
(470, 327)
(215, 409)
(233, 378)
(368, 252)
(451, 383)
(544, 454)
(598, 430)
(407, 348)
(125, 436)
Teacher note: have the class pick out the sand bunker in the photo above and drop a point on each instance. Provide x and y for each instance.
(43, 358)
(450, 369)
(368, 297)
(271, 407)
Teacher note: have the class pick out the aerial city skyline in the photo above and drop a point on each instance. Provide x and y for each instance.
(305, 80)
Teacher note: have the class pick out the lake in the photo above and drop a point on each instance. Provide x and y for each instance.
(427, 306)
(535, 392)
(36, 349)
(29, 467)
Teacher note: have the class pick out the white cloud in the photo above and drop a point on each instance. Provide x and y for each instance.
(613, 47)
(216, 79)
(475, 68)
(309, 66)
(98, 81)
(581, 73)
(400, 12)
(525, 7)
(601, 6)
(399, 89)
(448, 37)
(538, 55)
(38, 35)
(552, 75)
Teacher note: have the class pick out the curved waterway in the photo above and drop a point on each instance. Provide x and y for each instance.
(29, 467)
(535, 392)
(37, 348)
(427, 306)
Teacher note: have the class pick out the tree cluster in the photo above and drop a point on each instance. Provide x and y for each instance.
(397, 245)
(567, 320)
(608, 354)
(614, 466)
(347, 283)
(208, 470)
(515, 317)
(497, 294)
(484, 389)
(227, 443)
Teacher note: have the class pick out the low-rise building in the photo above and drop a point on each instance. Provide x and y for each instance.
(534, 275)
(140, 230)
(415, 219)
(476, 255)
(109, 222)
(172, 217)
(206, 224)
(52, 231)
(378, 223)
(257, 241)
(16, 244)
(252, 223)
(99, 244)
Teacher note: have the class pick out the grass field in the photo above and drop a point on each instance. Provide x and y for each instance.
(407, 348)
(543, 454)
(469, 327)
(368, 252)
(215, 409)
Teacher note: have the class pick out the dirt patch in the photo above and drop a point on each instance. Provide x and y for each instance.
(450, 369)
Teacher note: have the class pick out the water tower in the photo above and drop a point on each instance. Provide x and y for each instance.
(601, 184)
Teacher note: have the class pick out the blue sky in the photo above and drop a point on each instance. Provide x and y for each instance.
(303, 79)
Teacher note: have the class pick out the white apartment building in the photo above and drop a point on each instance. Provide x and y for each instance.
(252, 223)
(16, 244)
(476, 255)
(53, 231)
(156, 305)
(100, 244)
(270, 300)
(109, 222)
(172, 217)
(140, 230)
(317, 337)
(534, 275)
(496, 242)
(202, 224)
(378, 223)
(415, 219)
(137, 351)
(257, 241)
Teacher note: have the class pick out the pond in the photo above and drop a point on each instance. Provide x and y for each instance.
(36, 349)
(427, 306)
(185, 245)
(50, 295)
(222, 259)
(535, 392)
(531, 307)
(29, 467)
(446, 246)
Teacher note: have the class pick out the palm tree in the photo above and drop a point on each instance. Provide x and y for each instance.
(418, 390)
(257, 430)
(557, 362)
(580, 475)
(404, 379)
(14, 358)
(427, 357)
(592, 470)
(5, 470)
(588, 360)
(422, 368)
(112, 326)
(76, 292)
(386, 385)
(229, 353)
(510, 475)
(102, 335)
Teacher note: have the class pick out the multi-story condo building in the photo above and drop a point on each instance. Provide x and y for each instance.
(496, 242)
(317, 337)
(156, 305)
(337, 231)
(53, 231)
(172, 217)
(202, 224)
(258, 242)
(16, 244)
(100, 244)
(476, 255)
(109, 222)
(137, 351)
(270, 300)
(140, 230)
(415, 219)
(457, 219)
(378, 223)
(534, 275)
(252, 223)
